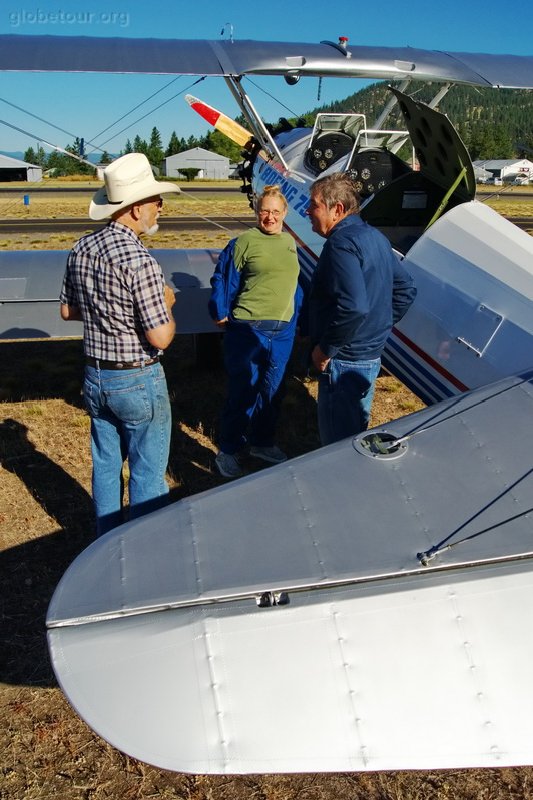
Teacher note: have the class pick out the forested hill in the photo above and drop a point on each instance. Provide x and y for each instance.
(493, 123)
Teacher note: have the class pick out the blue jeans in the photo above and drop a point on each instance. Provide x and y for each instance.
(255, 357)
(345, 393)
(130, 419)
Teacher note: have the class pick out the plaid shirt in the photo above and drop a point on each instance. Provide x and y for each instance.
(119, 288)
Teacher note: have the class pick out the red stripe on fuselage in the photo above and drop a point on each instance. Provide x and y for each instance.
(430, 361)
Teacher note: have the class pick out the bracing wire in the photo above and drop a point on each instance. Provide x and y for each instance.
(272, 97)
(186, 89)
(41, 119)
(146, 100)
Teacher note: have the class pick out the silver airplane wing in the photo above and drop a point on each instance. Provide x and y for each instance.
(30, 283)
(232, 58)
(406, 556)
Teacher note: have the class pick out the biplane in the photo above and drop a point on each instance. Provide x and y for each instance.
(364, 606)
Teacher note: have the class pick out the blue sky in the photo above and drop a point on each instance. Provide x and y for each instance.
(85, 105)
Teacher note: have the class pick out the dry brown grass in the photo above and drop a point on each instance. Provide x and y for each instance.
(186, 204)
(45, 521)
(64, 241)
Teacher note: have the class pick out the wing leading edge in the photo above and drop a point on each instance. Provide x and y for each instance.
(225, 57)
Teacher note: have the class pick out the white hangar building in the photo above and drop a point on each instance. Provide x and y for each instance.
(211, 165)
(507, 169)
(11, 169)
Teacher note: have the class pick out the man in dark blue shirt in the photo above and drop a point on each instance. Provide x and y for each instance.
(359, 290)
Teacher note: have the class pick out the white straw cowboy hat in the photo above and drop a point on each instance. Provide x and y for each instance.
(127, 180)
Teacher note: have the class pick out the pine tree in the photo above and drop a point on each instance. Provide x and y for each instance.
(72, 165)
(59, 163)
(40, 156)
(140, 145)
(155, 150)
(173, 146)
(37, 157)
(30, 156)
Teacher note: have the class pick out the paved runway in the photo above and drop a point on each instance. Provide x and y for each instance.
(82, 225)
(91, 190)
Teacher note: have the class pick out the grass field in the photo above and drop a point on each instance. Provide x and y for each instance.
(46, 520)
(41, 206)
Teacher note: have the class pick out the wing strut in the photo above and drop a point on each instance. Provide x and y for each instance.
(443, 91)
(380, 121)
(254, 120)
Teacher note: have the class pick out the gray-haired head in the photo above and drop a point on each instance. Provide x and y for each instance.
(338, 188)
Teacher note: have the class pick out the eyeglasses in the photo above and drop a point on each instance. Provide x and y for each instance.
(157, 200)
(275, 214)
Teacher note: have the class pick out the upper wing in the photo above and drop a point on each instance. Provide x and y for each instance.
(30, 283)
(225, 57)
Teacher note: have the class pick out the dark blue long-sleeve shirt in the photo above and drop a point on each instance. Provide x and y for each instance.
(359, 290)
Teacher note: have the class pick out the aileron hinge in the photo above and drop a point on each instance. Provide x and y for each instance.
(269, 599)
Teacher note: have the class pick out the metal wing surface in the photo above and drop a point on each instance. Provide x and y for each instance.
(227, 57)
(407, 640)
(30, 283)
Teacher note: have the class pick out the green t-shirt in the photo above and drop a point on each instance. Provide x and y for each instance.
(269, 266)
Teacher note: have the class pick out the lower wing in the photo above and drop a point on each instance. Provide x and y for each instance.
(30, 283)
(362, 607)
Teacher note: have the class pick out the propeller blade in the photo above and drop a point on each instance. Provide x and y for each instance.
(221, 122)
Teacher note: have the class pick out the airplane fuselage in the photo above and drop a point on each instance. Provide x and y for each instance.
(472, 321)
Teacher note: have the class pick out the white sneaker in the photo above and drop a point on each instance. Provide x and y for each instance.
(228, 465)
(272, 454)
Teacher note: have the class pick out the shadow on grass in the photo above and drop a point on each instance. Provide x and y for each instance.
(31, 571)
(41, 370)
(197, 388)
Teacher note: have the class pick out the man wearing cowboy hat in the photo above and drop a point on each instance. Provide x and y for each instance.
(117, 289)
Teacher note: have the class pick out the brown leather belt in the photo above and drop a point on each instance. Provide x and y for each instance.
(101, 364)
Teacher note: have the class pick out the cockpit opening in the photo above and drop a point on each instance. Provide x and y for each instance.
(334, 136)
